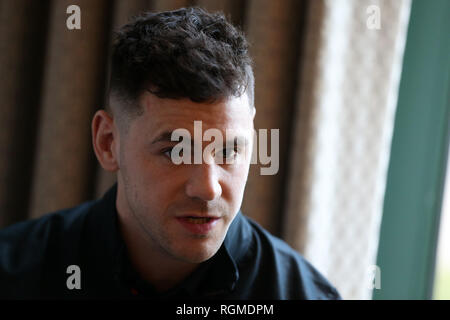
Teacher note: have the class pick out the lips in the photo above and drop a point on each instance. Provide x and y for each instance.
(197, 220)
(198, 224)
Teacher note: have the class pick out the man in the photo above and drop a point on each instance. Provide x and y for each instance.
(166, 230)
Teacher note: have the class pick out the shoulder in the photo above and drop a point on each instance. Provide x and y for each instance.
(26, 247)
(275, 262)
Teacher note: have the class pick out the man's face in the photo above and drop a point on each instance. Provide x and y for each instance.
(157, 196)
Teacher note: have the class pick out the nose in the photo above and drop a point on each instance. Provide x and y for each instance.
(203, 182)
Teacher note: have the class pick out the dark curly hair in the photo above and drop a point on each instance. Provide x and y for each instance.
(185, 53)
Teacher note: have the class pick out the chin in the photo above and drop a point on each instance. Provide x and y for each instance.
(199, 253)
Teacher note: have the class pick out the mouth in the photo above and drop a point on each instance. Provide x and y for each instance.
(198, 225)
(198, 220)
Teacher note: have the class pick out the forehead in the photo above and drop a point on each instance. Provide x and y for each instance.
(161, 115)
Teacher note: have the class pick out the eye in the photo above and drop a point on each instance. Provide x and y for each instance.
(167, 152)
(228, 154)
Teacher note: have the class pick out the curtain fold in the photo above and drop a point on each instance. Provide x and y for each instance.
(22, 47)
(274, 31)
(73, 88)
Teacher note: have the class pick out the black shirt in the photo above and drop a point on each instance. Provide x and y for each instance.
(250, 264)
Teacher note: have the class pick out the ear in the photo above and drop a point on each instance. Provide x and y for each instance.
(104, 140)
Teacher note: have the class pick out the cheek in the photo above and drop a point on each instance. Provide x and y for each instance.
(235, 183)
(138, 163)
(137, 173)
(157, 185)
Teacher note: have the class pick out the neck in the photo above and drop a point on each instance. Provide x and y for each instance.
(150, 261)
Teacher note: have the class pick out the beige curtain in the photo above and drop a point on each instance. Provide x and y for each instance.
(346, 103)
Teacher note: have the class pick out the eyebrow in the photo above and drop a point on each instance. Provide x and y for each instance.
(166, 136)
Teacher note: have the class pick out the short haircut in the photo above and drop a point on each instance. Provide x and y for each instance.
(185, 53)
